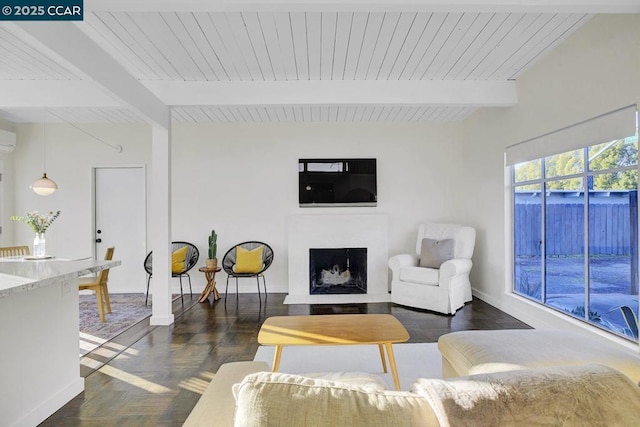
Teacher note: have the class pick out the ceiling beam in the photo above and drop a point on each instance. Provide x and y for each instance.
(41, 94)
(403, 92)
(81, 93)
(550, 6)
(67, 41)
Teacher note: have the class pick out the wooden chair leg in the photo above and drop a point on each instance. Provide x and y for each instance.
(100, 304)
(107, 300)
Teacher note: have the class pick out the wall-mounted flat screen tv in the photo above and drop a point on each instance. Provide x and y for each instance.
(337, 182)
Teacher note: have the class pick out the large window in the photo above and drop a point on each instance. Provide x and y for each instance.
(575, 231)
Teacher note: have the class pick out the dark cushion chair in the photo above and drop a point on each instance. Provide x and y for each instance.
(230, 260)
(190, 261)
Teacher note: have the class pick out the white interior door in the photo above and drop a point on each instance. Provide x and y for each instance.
(120, 221)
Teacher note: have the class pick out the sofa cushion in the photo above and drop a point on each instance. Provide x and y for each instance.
(592, 395)
(216, 405)
(424, 276)
(249, 261)
(476, 352)
(434, 252)
(361, 379)
(278, 399)
(178, 258)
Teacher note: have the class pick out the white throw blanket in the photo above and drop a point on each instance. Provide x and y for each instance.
(590, 395)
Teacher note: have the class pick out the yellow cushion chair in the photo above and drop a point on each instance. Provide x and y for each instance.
(247, 259)
(184, 256)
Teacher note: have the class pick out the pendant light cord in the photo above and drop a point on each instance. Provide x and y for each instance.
(44, 143)
(44, 186)
(118, 148)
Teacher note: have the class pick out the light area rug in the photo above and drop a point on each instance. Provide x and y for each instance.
(126, 311)
(413, 360)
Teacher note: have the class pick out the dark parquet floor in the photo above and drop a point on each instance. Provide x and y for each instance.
(153, 376)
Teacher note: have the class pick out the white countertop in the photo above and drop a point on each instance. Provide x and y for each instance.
(21, 275)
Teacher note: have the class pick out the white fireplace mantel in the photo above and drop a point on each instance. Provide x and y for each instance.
(338, 231)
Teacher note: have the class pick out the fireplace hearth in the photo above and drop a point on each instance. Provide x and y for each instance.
(337, 271)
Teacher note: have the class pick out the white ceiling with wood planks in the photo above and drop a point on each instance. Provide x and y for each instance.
(297, 61)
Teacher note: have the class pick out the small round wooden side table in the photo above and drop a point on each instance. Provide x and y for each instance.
(210, 275)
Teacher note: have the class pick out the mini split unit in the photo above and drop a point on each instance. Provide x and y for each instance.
(7, 141)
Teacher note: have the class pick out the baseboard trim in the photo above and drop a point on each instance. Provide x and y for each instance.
(161, 321)
(540, 317)
(50, 406)
(337, 299)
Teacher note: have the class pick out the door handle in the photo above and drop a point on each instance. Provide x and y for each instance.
(98, 240)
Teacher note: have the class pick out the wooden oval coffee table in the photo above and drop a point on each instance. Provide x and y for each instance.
(335, 329)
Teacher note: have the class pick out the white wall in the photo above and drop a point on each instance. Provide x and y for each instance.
(70, 155)
(594, 71)
(242, 181)
(238, 179)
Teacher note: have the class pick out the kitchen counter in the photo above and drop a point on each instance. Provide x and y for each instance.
(21, 275)
(39, 314)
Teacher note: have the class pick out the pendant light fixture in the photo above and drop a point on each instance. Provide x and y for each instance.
(44, 186)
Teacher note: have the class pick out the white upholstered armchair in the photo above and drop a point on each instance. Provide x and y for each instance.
(436, 277)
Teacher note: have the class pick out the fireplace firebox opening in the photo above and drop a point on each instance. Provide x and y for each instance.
(337, 271)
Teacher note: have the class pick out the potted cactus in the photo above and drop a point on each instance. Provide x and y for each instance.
(212, 261)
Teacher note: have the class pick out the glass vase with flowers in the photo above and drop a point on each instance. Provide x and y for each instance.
(39, 224)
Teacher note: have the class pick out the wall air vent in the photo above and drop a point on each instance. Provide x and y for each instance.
(7, 141)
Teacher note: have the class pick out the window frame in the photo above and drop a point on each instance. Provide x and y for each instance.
(585, 175)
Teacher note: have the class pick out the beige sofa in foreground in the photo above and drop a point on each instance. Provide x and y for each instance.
(586, 395)
(482, 352)
(217, 405)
